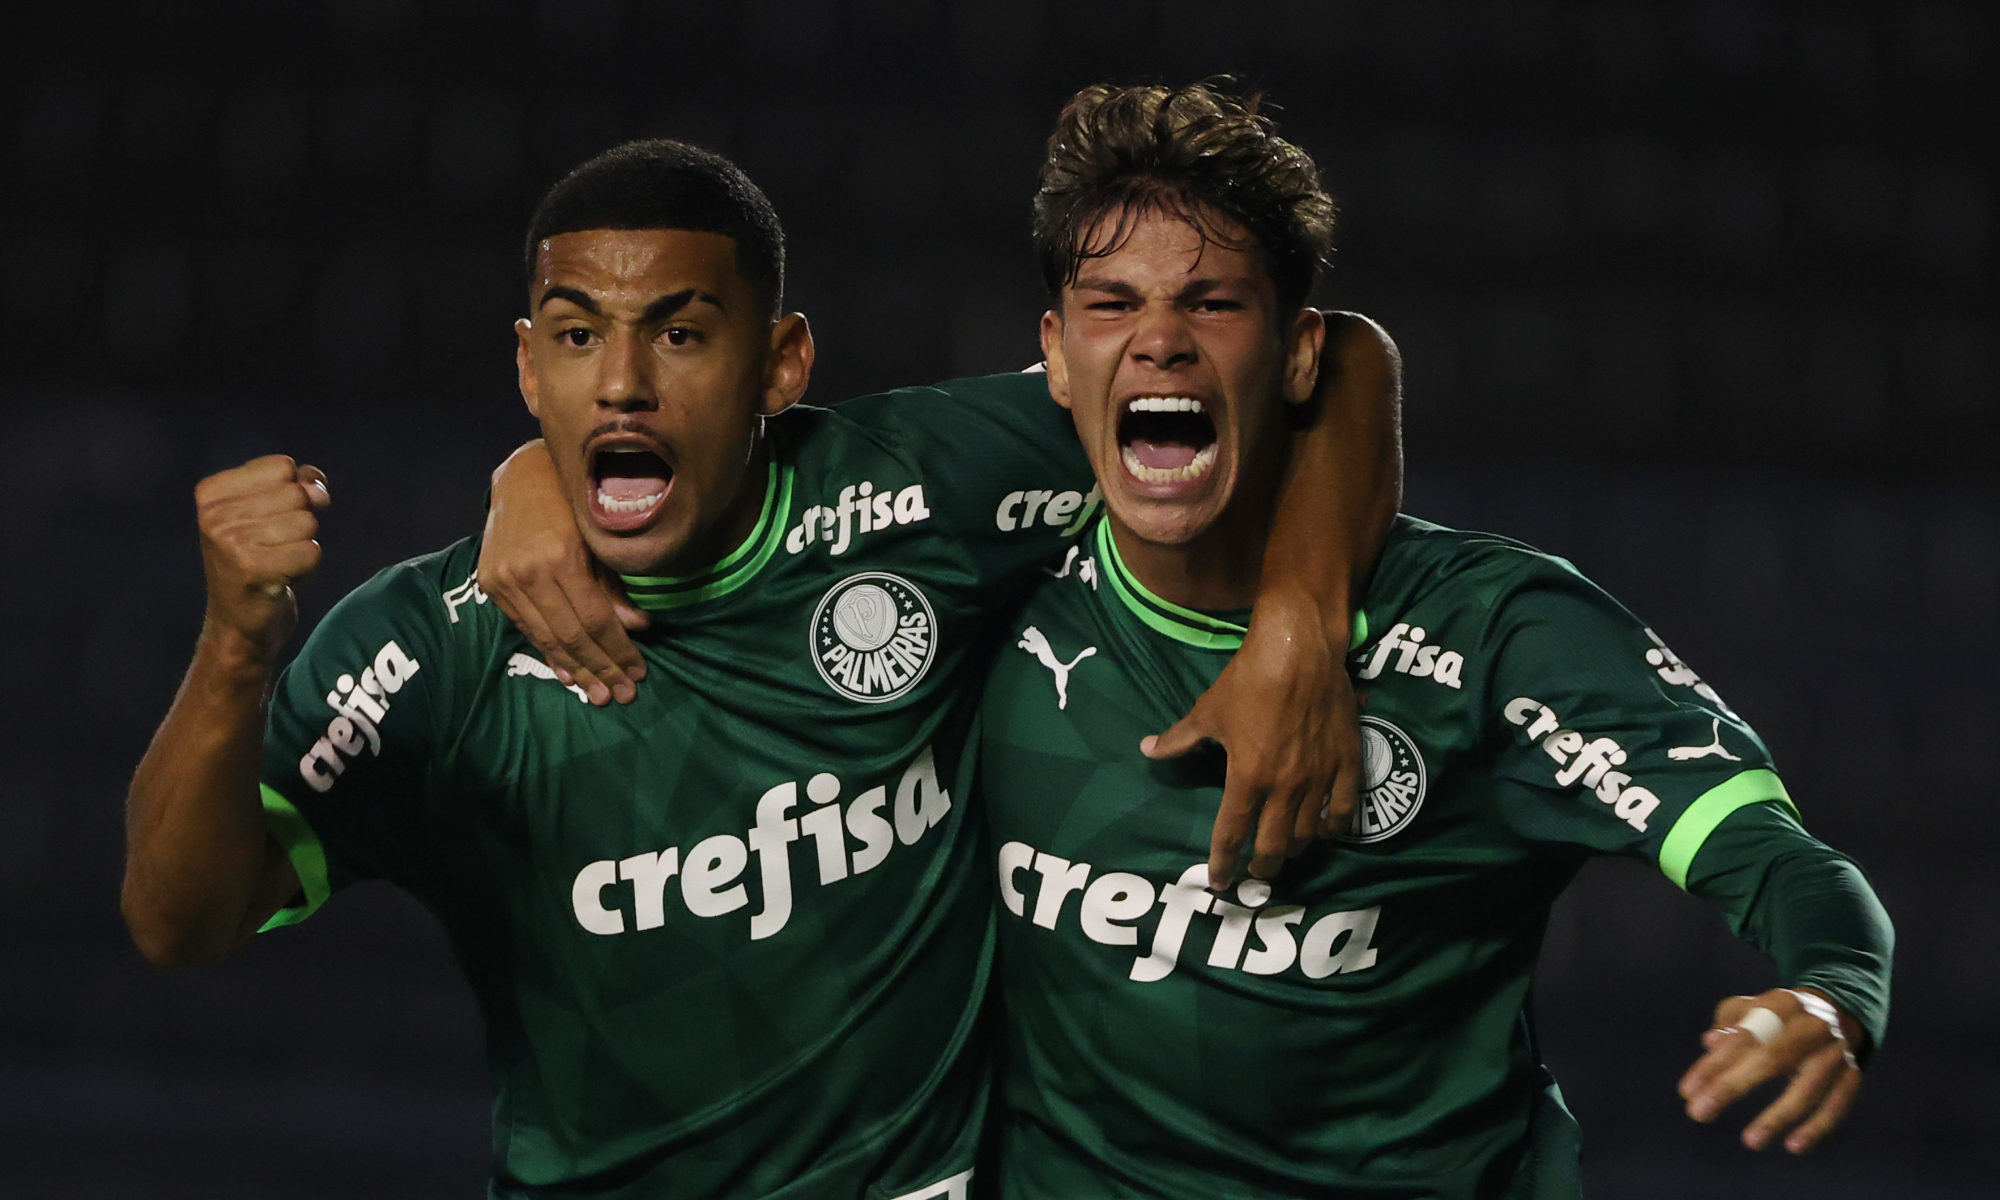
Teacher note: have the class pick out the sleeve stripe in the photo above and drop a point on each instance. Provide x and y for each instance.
(1686, 837)
(308, 857)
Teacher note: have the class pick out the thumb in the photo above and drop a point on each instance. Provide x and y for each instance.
(1184, 735)
(314, 481)
(630, 615)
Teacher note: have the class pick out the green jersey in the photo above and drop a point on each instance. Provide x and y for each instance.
(729, 939)
(1358, 1028)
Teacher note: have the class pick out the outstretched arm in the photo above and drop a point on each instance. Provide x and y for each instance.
(201, 873)
(1813, 912)
(1284, 707)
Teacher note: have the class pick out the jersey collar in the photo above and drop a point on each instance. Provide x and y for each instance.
(1207, 631)
(660, 593)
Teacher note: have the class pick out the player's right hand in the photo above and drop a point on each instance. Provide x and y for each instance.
(535, 566)
(258, 526)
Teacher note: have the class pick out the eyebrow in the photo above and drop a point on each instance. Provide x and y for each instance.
(660, 309)
(1193, 287)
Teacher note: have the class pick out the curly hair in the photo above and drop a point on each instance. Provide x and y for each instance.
(1194, 153)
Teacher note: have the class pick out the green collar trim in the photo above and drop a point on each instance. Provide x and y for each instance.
(1182, 624)
(1163, 616)
(659, 593)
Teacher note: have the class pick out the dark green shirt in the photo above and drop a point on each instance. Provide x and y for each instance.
(1360, 1030)
(729, 939)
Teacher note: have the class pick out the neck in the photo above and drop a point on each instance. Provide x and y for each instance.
(737, 521)
(1217, 569)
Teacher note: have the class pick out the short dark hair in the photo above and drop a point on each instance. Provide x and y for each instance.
(658, 183)
(1193, 153)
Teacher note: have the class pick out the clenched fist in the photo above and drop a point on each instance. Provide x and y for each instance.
(258, 526)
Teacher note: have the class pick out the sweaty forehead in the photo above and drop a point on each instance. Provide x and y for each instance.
(639, 263)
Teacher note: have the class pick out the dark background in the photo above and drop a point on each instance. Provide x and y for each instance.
(1699, 295)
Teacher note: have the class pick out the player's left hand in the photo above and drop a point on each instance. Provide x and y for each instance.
(1284, 710)
(1800, 1035)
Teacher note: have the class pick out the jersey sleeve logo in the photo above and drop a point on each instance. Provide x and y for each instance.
(1036, 644)
(465, 593)
(359, 705)
(1587, 764)
(1671, 670)
(1393, 782)
(873, 636)
(1713, 749)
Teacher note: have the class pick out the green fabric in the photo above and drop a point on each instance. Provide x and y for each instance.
(308, 858)
(1207, 631)
(1807, 905)
(730, 939)
(659, 593)
(1708, 811)
(1362, 1031)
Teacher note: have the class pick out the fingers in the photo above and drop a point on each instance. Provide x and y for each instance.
(1772, 1036)
(1336, 814)
(1183, 736)
(1832, 1111)
(1276, 817)
(257, 475)
(313, 480)
(547, 587)
(1234, 822)
(1809, 1088)
(558, 633)
(258, 527)
(630, 615)
(1306, 825)
(599, 644)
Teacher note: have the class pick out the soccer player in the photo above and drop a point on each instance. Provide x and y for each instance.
(1359, 1026)
(731, 938)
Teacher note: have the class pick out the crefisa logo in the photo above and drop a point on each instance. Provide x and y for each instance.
(1392, 783)
(873, 636)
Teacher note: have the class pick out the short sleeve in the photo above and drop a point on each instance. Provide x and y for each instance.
(1606, 738)
(349, 740)
(1001, 463)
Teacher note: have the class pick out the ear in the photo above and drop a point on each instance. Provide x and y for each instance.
(788, 368)
(1052, 354)
(524, 366)
(1304, 341)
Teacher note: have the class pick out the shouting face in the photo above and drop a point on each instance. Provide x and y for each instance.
(1173, 358)
(650, 362)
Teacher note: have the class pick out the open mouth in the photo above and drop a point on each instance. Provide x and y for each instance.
(627, 483)
(1166, 439)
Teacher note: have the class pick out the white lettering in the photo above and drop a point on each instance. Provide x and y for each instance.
(586, 896)
(857, 510)
(1582, 763)
(1111, 899)
(708, 883)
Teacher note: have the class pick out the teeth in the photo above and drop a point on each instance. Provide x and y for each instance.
(1186, 404)
(1197, 467)
(621, 507)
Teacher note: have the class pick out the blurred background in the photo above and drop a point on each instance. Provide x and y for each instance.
(1698, 295)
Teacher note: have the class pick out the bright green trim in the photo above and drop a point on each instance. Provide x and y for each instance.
(302, 847)
(1164, 616)
(1179, 623)
(1686, 837)
(658, 593)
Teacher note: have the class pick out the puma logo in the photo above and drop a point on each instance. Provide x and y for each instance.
(1688, 753)
(1034, 643)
